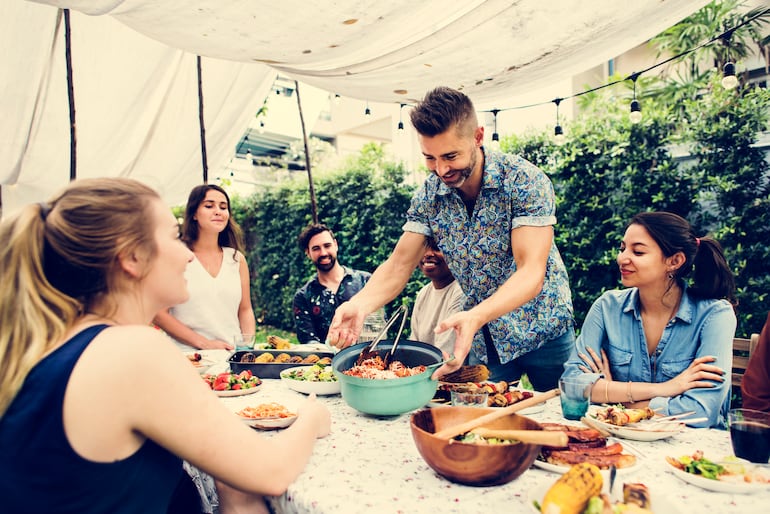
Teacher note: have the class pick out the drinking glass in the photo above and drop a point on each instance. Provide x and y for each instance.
(575, 396)
(469, 399)
(373, 323)
(244, 341)
(750, 434)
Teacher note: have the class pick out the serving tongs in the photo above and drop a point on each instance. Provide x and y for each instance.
(370, 353)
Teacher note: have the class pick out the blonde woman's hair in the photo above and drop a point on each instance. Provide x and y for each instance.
(57, 259)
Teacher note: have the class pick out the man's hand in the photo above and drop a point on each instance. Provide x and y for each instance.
(346, 325)
(465, 324)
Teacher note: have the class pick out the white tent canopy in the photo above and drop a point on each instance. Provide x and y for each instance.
(135, 80)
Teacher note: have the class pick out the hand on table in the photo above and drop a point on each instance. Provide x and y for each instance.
(319, 411)
(216, 344)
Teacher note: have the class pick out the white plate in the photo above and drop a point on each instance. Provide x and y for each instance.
(721, 486)
(307, 386)
(237, 392)
(610, 440)
(648, 430)
(659, 502)
(269, 423)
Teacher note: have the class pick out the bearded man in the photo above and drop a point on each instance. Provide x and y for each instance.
(316, 301)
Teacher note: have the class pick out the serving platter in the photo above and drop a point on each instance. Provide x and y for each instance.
(559, 468)
(735, 484)
(658, 502)
(647, 430)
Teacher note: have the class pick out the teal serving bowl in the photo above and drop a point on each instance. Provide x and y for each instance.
(389, 397)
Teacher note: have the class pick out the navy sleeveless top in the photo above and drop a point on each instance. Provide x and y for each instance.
(39, 470)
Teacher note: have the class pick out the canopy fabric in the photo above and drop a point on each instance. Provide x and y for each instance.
(135, 81)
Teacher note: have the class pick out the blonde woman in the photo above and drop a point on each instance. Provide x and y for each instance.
(97, 408)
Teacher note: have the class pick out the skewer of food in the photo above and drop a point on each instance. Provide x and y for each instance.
(619, 415)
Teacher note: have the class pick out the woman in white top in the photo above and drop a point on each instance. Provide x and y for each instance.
(219, 307)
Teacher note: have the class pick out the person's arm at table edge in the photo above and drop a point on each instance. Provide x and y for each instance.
(246, 318)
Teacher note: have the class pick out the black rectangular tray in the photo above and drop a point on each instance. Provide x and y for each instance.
(269, 369)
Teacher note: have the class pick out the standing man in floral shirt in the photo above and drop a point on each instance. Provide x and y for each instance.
(492, 216)
(316, 301)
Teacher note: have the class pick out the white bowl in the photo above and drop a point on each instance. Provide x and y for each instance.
(321, 388)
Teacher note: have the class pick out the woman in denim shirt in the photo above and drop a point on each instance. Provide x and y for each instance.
(661, 342)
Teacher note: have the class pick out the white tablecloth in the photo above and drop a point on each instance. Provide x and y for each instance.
(371, 464)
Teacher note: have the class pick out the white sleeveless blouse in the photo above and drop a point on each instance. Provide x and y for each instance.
(212, 309)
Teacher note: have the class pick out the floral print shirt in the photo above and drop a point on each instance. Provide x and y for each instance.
(477, 248)
(315, 304)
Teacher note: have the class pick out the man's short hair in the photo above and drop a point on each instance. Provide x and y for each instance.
(308, 232)
(441, 109)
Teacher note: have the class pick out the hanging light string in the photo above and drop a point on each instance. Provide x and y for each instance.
(633, 76)
(401, 117)
(636, 108)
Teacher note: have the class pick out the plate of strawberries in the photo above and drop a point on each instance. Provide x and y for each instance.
(232, 384)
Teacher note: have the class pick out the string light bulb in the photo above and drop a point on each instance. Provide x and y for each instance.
(367, 111)
(336, 99)
(636, 108)
(729, 80)
(558, 132)
(495, 144)
(401, 118)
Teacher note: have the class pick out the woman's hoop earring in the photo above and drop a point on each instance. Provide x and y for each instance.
(670, 276)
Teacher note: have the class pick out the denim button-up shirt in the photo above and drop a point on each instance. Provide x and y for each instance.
(699, 328)
(477, 248)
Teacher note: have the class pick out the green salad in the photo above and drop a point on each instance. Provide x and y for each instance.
(314, 373)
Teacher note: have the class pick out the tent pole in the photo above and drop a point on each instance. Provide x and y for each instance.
(201, 123)
(313, 206)
(70, 94)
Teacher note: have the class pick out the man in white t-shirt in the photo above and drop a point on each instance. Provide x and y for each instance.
(436, 300)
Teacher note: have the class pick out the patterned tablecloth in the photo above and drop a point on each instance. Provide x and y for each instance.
(371, 464)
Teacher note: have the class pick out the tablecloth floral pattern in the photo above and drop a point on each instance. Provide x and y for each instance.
(371, 464)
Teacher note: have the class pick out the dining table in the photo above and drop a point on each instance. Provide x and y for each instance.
(371, 464)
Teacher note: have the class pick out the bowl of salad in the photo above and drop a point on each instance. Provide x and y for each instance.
(318, 379)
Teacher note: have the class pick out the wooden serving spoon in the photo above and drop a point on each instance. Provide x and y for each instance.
(548, 438)
(462, 428)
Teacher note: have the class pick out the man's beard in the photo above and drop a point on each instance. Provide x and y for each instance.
(465, 172)
(325, 266)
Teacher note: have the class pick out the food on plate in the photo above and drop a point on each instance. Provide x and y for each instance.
(524, 383)
(231, 381)
(278, 343)
(264, 358)
(315, 373)
(730, 469)
(585, 445)
(374, 368)
(475, 373)
(311, 359)
(296, 359)
(248, 357)
(620, 416)
(325, 361)
(266, 410)
(500, 394)
(194, 357)
(571, 492)
(281, 358)
(578, 492)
